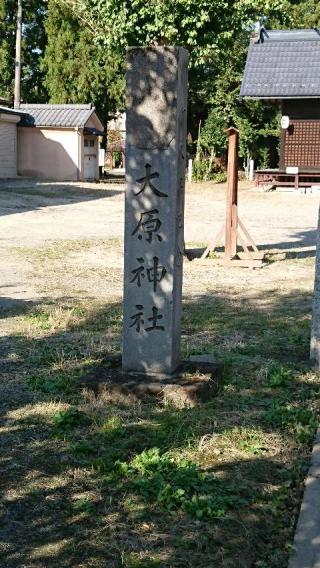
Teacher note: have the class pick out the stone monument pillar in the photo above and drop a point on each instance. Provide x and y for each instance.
(156, 125)
(315, 328)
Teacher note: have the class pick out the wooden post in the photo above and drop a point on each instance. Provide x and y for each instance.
(190, 171)
(234, 229)
(232, 196)
(17, 80)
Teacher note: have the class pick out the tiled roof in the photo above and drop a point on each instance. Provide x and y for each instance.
(56, 115)
(286, 64)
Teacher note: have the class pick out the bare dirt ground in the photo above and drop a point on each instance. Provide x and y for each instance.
(64, 501)
(85, 223)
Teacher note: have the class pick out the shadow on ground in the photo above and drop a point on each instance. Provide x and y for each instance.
(17, 198)
(66, 504)
(11, 306)
(303, 246)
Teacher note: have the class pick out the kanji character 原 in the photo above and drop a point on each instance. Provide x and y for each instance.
(149, 224)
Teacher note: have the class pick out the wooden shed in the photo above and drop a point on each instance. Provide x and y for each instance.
(283, 67)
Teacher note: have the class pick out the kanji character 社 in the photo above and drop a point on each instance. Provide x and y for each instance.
(138, 320)
(154, 318)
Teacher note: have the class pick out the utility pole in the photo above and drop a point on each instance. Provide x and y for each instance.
(17, 78)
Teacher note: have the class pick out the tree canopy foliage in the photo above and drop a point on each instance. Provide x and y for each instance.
(76, 69)
(74, 51)
(216, 35)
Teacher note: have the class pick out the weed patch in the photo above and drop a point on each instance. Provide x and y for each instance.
(55, 384)
(176, 484)
(296, 419)
(220, 483)
(70, 418)
(279, 376)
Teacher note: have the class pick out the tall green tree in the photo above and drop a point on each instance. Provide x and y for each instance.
(217, 37)
(33, 44)
(305, 13)
(209, 30)
(258, 122)
(78, 70)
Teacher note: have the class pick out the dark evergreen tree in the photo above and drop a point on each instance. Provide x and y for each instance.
(33, 44)
(78, 70)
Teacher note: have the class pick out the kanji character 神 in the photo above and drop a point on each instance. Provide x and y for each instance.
(138, 273)
(154, 274)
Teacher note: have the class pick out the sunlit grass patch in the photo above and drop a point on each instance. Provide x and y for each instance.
(273, 327)
(247, 440)
(205, 478)
(138, 560)
(51, 317)
(39, 410)
(53, 250)
(57, 250)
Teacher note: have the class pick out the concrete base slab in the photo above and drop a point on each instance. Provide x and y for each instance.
(197, 380)
(306, 546)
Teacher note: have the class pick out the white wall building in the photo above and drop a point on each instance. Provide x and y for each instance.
(59, 142)
(8, 142)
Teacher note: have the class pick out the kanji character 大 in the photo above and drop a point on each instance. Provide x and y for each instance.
(146, 182)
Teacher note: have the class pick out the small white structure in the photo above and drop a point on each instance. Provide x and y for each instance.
(59, 142)
(8, 142)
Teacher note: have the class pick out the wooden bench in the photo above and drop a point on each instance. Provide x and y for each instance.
(271, 179)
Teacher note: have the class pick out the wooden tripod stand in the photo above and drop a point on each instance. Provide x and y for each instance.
(234, 230)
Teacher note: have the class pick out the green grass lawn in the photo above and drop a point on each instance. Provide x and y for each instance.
(92, 482)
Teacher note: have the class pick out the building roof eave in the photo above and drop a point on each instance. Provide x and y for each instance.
(277, 97)
(58, 116)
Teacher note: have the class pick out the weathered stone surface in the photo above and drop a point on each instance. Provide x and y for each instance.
(306, 546)
(155, 168)
(315, 329)
(152, 95)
